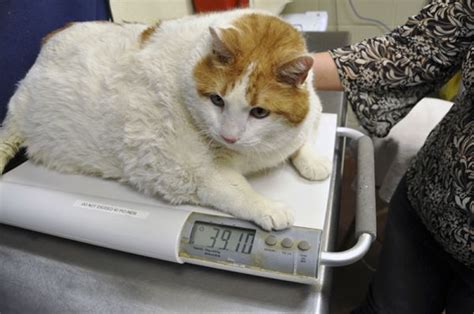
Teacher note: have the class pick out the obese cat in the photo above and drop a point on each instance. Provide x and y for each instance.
(181, 110)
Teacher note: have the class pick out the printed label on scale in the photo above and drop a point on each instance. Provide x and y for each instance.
(112, 209)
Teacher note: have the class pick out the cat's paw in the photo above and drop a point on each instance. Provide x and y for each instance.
(312, 166)
(276, 216)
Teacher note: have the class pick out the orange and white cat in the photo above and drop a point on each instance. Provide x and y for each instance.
(181, 110)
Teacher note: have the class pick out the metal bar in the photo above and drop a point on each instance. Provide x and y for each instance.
(349, 256)
(365, 211)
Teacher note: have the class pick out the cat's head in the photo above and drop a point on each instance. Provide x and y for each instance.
(253, 91)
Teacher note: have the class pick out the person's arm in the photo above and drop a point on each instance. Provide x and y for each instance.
(326, 76)
(385, 77)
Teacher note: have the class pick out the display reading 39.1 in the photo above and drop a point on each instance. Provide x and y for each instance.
(222, 237)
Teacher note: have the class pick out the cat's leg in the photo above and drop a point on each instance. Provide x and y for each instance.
(310, 164)
(230, 192)
(10, 140)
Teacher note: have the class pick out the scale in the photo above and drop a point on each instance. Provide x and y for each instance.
(109, 214)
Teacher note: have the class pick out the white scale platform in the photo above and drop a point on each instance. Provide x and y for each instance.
(113, 215)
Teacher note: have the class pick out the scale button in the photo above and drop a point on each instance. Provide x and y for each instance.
(304, 245)
(287, 243)
(271, 240)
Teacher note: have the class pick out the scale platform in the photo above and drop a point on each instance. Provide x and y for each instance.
(113, 215)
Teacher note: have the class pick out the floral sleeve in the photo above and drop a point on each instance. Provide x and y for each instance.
(384, 77)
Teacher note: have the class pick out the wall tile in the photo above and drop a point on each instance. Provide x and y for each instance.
(382, 10)
(405, 9)
(361, 32)
(149, 12)
(300, 6)
(330, 7)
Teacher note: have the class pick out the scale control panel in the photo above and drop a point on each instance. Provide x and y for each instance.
(234, 244)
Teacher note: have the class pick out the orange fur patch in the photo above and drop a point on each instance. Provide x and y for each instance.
(146, 34)
(267, 42)
(56, 31)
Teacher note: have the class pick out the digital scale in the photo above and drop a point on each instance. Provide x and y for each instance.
(109, 214)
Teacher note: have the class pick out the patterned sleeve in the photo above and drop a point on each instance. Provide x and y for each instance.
(384, 77)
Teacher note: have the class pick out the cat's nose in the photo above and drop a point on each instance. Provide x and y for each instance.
(230, 140)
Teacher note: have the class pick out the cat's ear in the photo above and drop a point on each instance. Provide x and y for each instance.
(295, 72)
(219, 49)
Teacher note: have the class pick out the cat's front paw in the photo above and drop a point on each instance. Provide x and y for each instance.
(312, 166)
(276, 216)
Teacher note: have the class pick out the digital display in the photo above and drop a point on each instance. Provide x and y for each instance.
(222, 237)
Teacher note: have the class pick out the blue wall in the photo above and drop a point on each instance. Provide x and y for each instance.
(23, 23)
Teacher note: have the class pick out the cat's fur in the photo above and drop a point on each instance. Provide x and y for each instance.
(131, 103)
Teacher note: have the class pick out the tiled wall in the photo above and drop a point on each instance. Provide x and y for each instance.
(341, 17)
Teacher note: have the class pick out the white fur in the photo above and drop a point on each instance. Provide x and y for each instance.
(96, 102)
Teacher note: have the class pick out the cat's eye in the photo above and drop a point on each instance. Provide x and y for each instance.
(259, 112)
(217, 100)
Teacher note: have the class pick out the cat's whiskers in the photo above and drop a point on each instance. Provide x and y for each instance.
(250, 143)
(208, 138)
(265, 149)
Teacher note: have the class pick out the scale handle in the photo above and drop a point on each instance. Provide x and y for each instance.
(365, 223)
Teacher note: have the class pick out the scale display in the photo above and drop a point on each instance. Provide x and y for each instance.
(221, 237)
(234, 244)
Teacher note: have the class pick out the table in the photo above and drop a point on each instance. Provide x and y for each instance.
(45, 274)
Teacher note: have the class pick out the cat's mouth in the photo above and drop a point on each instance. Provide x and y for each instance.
(233, 144)
(229, 143)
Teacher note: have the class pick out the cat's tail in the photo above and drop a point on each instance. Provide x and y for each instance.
(10, 141)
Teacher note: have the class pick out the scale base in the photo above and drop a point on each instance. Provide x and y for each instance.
(112, 215)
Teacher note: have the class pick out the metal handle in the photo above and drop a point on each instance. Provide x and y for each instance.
(365, 229)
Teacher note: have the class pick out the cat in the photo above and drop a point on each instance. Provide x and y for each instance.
(181, 110)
